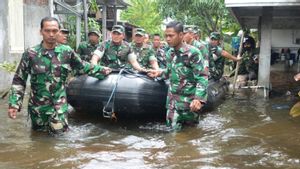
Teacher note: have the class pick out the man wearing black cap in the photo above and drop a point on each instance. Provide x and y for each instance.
(62, 36)
(116, 53)
(144, 52)
(86, 49)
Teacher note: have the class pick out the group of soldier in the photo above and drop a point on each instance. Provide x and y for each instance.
(188, 63)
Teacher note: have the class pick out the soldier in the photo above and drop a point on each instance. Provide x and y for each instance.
(147, 39)
(86, 49)
(62, 36)
(48, 65)
(159, 50)
(217, 57)
(116, 53)
(248, 69)
(187, 72)
(189, 38)
(197, 35)
(143, 51)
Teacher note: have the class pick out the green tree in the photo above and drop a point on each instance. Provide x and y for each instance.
(209, 15)
(145, 14)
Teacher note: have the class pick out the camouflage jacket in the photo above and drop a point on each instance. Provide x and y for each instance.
(115, 56)
(48, 70)
(216, 62)
(202, 46)
(248, 63)
(144, 54)
(86, 50)
(160, 55)
(187, 72)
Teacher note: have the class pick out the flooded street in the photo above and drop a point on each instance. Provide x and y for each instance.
(243, 132)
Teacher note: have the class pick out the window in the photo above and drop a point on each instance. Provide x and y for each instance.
(15, 26)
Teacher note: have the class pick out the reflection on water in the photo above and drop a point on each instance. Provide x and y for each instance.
(243, 132)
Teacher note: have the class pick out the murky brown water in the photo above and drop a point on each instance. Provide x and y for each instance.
(243, 132)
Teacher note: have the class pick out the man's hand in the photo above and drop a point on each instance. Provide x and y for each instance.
(195, 105)
(153, 73)
(297, 77)
(238, 58)
(143, 70)
(106, 70)
(12, 113)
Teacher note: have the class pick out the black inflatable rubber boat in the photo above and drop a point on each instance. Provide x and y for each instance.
(128, 94)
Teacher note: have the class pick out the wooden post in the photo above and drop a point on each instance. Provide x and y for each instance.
(115, 15)
(238, 63)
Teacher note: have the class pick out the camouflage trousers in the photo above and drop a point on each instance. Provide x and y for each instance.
(177, 119)
(51, 122)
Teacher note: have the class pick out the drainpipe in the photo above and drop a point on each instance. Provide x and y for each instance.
(85, 10)
(78, 26)
(104, 11)
(51, 7)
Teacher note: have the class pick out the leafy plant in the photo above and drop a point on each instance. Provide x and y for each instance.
(93, 6)
(71, 25)
(145, 14)
(9, 67)
(208, 15)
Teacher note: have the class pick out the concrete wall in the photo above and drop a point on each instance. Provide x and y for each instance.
(33, 12)
(32, 20)
(284, 39)
(4, 47)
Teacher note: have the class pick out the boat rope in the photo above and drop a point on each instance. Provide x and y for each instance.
(111, 114)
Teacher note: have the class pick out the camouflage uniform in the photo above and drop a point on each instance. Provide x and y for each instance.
(187, 72)
(248, 63)
(115, 56)
(202, 46)
(86, 50)
(216, 62)
(160, 56)
(48, 70)
(145, 54)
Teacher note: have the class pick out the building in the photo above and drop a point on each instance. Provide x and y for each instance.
(19, 29)
(20, 24)
(278, 24)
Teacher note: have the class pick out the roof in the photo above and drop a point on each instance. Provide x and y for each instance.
(286, 13)
(255, 3)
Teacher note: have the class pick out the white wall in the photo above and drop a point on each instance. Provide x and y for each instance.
(14, 35)
(284, 39)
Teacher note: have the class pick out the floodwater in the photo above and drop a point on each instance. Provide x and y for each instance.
(243, 132)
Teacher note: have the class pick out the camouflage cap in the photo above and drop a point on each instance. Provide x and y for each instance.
(196, 30)
(188, 28)
(140, 31)
(95, 31)
(118, 28)
(215, 35)
(63, 30)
